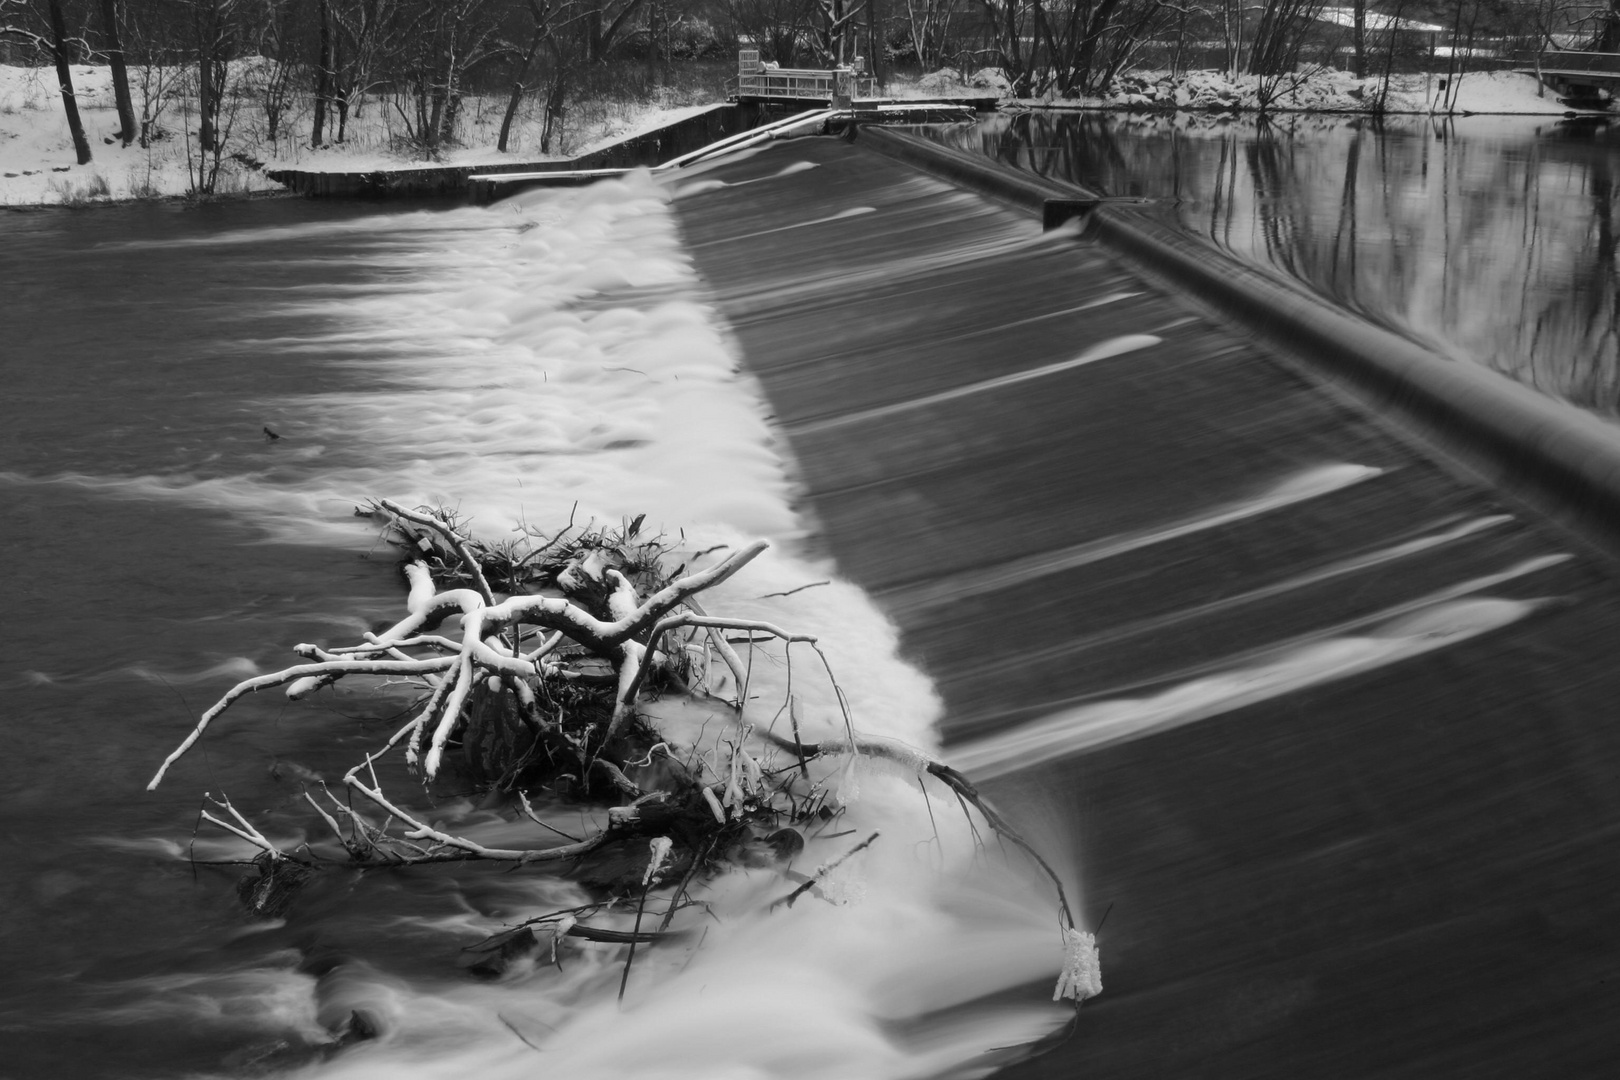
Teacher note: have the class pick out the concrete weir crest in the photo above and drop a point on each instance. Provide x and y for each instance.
(1399, 783)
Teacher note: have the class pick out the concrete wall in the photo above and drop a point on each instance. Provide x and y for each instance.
(648, 148)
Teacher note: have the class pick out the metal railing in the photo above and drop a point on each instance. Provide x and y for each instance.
(798, 83)
(756, 79)
(1597, 63)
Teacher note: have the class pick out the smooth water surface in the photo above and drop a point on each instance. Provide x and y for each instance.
(1491, 239)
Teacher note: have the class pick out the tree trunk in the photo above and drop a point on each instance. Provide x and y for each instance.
(1360, 38)
(1087, 58)
(1258, 50)
(518, 89)
(876, 46)
(64, 79)
(207, 42)
(1608, 38)
(556, 95)
(120, 74)
(323, 75)
(652, 45)
(205, 99)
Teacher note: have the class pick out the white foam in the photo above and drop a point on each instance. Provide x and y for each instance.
(1435, 622)
(1105, 350)
(1310, 483)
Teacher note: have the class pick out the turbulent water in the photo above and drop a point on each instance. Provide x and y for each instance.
(547, 360)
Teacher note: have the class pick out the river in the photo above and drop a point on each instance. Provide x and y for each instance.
(550, 356)
(197, 399)
(1488, 238)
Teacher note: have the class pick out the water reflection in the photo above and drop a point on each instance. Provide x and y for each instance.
(1489, 238)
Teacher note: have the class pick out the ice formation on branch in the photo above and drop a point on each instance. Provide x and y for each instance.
(1082, 967)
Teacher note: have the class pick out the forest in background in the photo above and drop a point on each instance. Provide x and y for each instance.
(305, 69)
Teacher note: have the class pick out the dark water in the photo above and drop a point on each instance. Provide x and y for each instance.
(126, 352)
(1489, 238)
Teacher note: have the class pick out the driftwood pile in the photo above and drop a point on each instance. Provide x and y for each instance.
(535, 693)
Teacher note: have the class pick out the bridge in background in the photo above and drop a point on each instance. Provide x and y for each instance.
(1582, 80)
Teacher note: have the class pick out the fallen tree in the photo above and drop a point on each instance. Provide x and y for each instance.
(558, 643)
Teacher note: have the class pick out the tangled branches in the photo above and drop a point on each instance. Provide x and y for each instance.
(535, 658)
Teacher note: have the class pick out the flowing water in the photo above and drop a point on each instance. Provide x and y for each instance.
(1488, 238)
(543, 361)
(555, 357)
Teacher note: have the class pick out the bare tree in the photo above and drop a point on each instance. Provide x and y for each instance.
(543, 35)
(208, 26)
(1279, 35)
(64, 79)
(113, 48)
(1072, 46)
(1359, 37)
(18, 23)
(272, 33)
(440, 43)
(1012, 40)
(929, 25)
(777, 27)
(156, 42)
(364, 31)
(1608, 32)
(835, 30)
(323, 71)
(607, 22)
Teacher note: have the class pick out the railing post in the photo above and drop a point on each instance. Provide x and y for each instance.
(843, 89)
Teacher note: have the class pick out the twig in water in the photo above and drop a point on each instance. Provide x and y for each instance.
(523, 800)
(790, 592)
(660, 851)
(929, 803)
(510, 1027)
(630, 958)
(691, 872)
(823, 870)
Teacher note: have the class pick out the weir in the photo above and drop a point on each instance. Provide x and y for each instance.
(1319, 713)
(1308, 713)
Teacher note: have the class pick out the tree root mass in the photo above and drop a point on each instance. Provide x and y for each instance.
(534, 697)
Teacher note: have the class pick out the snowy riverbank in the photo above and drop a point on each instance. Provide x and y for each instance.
(1326, 90)
(37, 161)
(37, 165)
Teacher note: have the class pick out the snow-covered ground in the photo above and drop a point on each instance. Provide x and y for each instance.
(1326, 90)
(37, 163)
(1320, 90)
